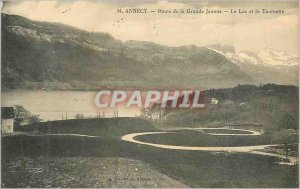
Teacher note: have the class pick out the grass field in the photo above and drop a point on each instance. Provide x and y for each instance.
(193, 168)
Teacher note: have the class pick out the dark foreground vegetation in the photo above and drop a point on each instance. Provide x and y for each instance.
(195, 169)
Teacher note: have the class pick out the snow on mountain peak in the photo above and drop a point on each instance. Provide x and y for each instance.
(247, 57)
(267, 57)
(275, 57)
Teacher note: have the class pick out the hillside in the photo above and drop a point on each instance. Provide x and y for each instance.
(271, 107)
(39, 54)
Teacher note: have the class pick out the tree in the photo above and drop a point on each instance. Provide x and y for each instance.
(286, 138)
(288, 120)
(21, 115)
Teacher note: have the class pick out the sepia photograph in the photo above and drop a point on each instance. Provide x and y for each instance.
(149, 94)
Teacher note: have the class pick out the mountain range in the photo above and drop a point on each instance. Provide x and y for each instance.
(266, 66)
(51, 55)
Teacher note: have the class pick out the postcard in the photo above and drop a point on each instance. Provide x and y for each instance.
(149, 94)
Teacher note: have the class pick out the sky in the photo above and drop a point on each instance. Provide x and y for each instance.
(251, 32)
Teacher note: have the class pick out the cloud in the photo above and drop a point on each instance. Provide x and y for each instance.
(245, 32)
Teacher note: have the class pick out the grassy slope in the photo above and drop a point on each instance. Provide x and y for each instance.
(108, 127)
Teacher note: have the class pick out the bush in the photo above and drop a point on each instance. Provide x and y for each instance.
(286, 138)
(79, 116)
(288, 120)
(34, 119)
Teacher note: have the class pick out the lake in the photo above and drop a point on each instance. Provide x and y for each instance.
(58, 105)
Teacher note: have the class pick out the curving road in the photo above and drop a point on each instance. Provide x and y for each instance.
(247, 149)
(250, 133)
(67, 134)
(131, 138)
